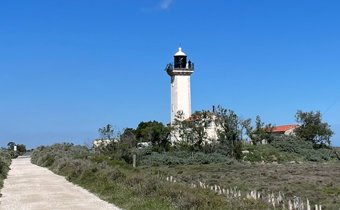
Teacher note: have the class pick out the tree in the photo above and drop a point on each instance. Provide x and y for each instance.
(181, 131)
(198, 125)
(128, 137)
(11, 145)
(192, 132)
(154, 132)
(260, 132)
(106, 132)
(313, 129)
(21, 148)
(230, 130)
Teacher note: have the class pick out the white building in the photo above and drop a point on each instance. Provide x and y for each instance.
(102, 142)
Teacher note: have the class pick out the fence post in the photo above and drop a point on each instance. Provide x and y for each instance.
(134, 161)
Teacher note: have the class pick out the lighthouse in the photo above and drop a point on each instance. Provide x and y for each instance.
(180, 72)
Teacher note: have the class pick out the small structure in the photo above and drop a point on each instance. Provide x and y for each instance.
(211, 128)
(102, 142)
(141, 145)
(283, 130)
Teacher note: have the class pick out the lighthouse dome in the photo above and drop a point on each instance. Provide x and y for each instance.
(180, 52)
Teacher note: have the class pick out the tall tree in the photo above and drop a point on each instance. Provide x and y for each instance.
(230, 130)
(21, 149)
(260, 132)
(128, 137)
(154, 132)
(312, 128)
(181, 131)
(198, 124)
(106, 132)
(192, 132)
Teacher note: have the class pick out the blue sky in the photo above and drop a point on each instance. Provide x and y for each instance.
(70, 67)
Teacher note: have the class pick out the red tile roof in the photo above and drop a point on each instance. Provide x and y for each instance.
(282, 128)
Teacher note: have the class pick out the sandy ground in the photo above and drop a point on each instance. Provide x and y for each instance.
(32, 187)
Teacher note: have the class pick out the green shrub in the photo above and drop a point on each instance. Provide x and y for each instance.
(304, 149)
(265, 153)
(182, 157)
(5, 161)
(292, 144)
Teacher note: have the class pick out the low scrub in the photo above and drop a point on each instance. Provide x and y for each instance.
(267, 153)
(289, 148)
(304, 149)
(182, 158)
(5, 161)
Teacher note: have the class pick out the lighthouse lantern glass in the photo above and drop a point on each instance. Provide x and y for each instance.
(180, 62)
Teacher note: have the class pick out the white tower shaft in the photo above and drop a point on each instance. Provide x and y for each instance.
(180, 96)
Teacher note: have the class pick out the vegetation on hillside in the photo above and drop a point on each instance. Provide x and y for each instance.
(193, 146)
(146, 187)
(227, 162)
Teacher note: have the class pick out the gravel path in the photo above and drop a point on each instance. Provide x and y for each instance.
(32, 187)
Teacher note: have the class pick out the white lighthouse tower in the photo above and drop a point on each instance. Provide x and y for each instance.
(180, 72)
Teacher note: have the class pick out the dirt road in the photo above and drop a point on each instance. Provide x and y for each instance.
(32, 187)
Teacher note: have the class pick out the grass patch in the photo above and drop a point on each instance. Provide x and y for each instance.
(319, 182)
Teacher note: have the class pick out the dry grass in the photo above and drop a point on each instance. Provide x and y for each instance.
(320, 182)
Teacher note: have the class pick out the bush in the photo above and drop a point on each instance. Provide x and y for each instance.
(291, 144)
(304, 149)
(5, 161)
(181, 157)
(266, 153)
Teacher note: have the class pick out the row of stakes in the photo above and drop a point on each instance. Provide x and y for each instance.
(270, 198)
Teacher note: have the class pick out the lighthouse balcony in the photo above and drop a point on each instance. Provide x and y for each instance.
(172, 69)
